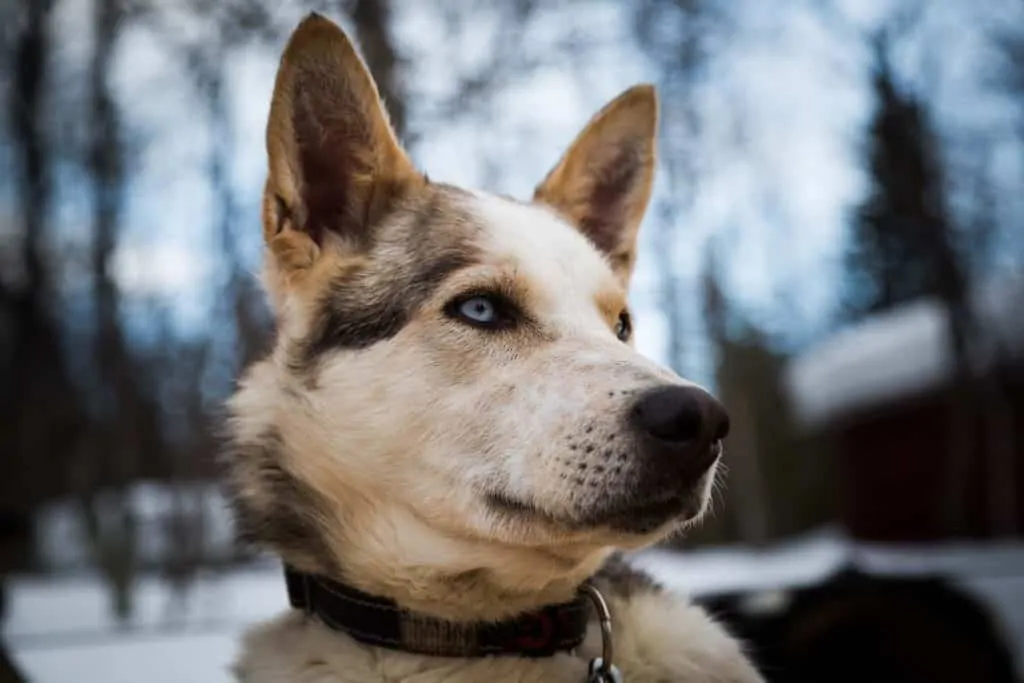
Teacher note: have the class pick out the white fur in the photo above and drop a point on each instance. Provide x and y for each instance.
(552, 253)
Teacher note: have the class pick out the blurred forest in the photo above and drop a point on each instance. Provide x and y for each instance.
(118, 114)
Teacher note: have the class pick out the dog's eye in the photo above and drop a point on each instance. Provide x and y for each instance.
(624, 327)
(484, 310)
(479, 309)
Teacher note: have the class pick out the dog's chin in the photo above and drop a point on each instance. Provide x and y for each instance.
(656, 514)
(653, 514)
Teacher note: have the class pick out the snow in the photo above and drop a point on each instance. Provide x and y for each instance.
(812, 557)
(889, 356)
(899, 354)
(60, 629)
(171, 659)
(231, 599)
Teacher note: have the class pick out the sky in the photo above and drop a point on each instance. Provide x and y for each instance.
(781, 108)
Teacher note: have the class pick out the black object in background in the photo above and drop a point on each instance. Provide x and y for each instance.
(855, 627)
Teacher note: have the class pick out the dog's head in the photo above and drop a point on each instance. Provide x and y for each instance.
(453, 387)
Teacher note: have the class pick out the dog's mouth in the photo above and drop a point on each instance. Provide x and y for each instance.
(630, 516)
(648, 515)
(632, 509)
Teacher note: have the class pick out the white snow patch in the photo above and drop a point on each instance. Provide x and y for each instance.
(62, 630)
(172, 658)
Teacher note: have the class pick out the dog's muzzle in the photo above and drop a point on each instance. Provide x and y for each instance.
(678, 432)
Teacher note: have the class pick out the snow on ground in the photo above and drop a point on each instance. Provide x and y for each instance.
(61, 629)
(177, 658)
(69, 609)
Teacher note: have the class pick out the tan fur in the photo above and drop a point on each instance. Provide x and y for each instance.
(454, 470)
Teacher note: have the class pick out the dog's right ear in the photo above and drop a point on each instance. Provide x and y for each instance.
(336, 165)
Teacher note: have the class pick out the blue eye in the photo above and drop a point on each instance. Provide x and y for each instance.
(484, 310)
(479, 309)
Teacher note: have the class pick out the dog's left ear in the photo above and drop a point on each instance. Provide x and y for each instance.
(603, 183)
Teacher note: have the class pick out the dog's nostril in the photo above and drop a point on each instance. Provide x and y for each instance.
(681, 414)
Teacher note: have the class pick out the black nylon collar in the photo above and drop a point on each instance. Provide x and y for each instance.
(381, 622)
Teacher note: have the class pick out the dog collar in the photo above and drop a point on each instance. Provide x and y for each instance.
(381, 622)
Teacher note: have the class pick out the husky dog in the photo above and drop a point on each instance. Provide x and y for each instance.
(453, 433)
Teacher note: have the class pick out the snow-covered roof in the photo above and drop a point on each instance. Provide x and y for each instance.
(899, 353)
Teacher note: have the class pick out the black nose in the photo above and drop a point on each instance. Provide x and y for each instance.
(678, 415)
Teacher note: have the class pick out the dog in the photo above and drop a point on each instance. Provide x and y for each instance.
(453, 434)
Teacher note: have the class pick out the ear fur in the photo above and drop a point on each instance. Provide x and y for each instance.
(603, 182)
(335, 163)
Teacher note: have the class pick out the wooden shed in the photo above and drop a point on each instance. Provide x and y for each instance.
(921, 458)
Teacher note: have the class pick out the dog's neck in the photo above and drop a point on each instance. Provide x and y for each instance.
(455, 576)
(486, 593)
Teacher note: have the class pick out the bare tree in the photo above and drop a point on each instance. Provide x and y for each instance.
(675, 35)
(36, 394)
(126, 426)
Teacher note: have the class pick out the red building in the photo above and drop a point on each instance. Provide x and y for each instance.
(921, 456)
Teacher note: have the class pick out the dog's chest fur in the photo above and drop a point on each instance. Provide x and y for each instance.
(658, 637)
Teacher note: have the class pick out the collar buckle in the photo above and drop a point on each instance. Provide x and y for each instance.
(602, 669)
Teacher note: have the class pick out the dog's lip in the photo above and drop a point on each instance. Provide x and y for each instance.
(507, 504)
(639, 515)
(664, 506)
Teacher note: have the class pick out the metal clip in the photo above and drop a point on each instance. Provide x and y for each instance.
(599, 673)
(602, 669)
